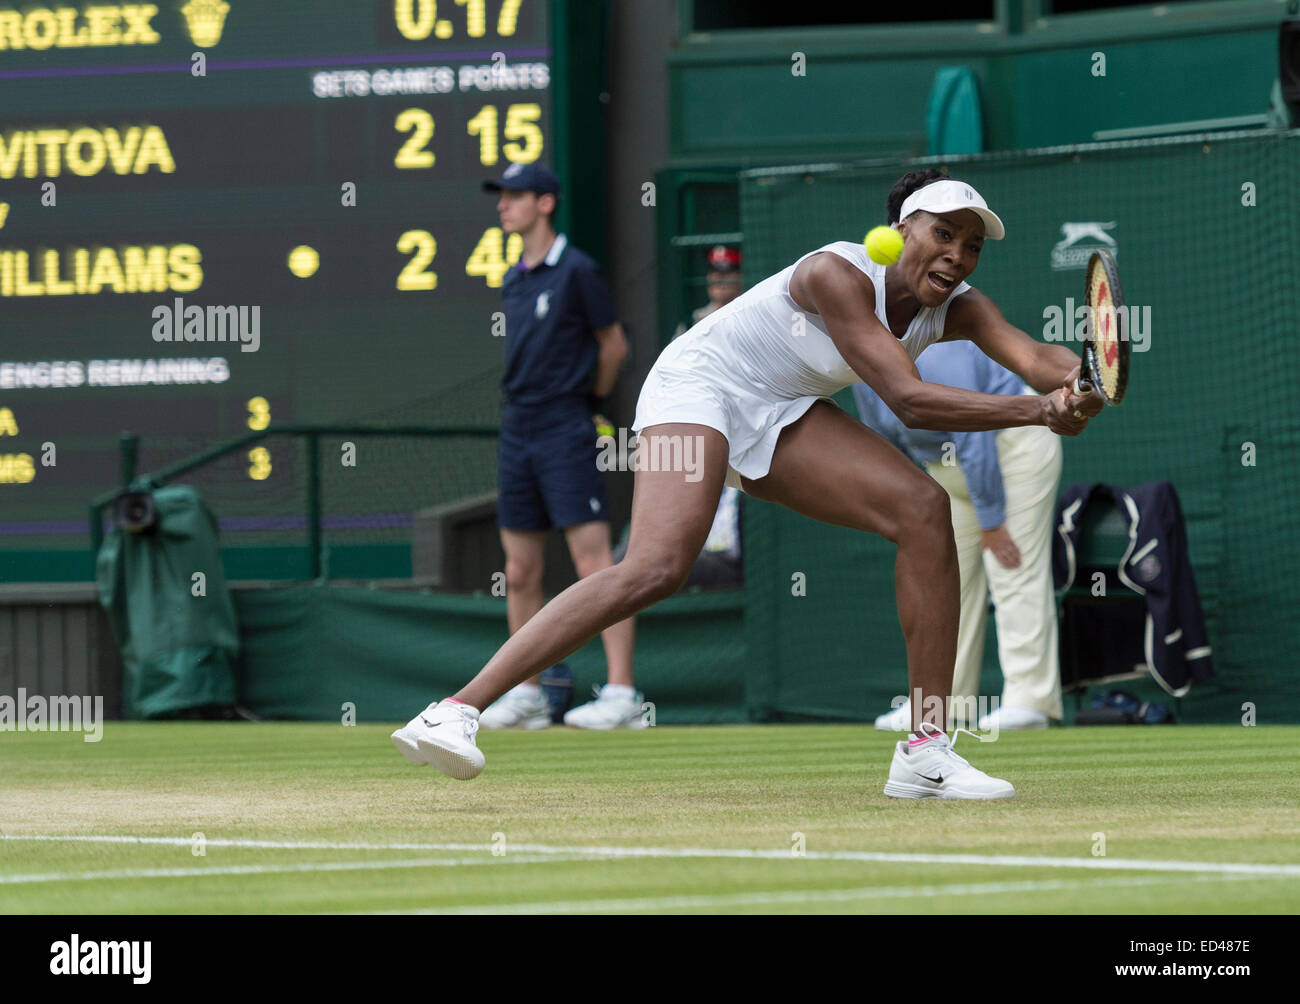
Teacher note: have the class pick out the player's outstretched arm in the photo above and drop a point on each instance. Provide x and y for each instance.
(1044, 367)
(847, 306)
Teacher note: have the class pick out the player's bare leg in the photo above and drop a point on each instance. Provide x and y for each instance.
(833, 468)
(672, 512)
(671, 516)
(836, 470)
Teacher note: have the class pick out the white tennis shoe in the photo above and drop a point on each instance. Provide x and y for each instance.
(898, 720)
(934, 770)
(521, 707)
(614, 708)
(1012, 717)
(443, 735)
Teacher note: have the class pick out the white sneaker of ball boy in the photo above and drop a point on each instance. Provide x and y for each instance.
(521, 707)
(524, 707)
(616, 706)
(924, 766)
(1005, 717)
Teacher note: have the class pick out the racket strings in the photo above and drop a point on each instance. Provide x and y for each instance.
(1105, 324)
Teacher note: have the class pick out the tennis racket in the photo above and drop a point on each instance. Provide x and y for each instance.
(1106, 345)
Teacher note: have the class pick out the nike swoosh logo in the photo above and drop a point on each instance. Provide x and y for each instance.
(936, 780)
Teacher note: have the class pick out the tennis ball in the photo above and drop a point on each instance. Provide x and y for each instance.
(884, 245)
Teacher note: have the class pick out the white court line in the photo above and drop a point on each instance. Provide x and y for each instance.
(328, 866)
(803, 896)
(984, 860)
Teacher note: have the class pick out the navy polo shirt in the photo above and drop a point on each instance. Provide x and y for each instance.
(552, 312)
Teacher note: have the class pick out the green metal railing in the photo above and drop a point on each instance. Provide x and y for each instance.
(131, 481)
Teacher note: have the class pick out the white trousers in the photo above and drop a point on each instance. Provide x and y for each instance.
(1023, 598)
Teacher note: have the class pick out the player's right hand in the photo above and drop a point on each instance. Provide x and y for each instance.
(1060, 414)
(1091, 403)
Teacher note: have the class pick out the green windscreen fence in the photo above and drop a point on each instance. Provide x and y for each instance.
(1202, 230)
(309, 651)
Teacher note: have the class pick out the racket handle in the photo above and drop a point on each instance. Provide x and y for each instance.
(1082, 387)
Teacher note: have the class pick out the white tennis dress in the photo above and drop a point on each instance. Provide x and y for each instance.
(753, 367)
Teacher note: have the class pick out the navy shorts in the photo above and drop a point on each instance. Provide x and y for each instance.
(547, 473)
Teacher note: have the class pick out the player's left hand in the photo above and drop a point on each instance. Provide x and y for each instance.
(1086, 405)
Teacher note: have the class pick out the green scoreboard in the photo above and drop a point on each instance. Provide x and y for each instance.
(218, 216)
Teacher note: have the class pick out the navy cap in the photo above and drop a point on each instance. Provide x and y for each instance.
(525, 178)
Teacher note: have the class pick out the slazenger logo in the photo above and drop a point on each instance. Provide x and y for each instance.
(1078, 242)
(543, 304)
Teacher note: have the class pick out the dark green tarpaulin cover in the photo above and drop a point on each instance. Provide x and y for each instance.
(178, 649)
(309, 650)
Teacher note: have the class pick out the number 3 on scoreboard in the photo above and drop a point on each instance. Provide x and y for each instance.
(413, 275)
(259, 463)
(259, 413)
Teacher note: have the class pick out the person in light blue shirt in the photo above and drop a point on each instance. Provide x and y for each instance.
(1002, 486)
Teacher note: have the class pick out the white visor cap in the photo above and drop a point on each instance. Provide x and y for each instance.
(949, 196)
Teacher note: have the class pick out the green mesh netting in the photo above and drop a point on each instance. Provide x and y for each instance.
(1211, 406)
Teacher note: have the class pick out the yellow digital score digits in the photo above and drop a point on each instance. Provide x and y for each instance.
(413, 275)
(484, 126)
(486, 260)
(413, 155)
(259, 413)
(418, 19)
(259, 463)
(259, 458)
(523, 136)
(490, 260)
(521, 125)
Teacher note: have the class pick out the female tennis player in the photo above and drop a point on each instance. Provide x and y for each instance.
(750, 384)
